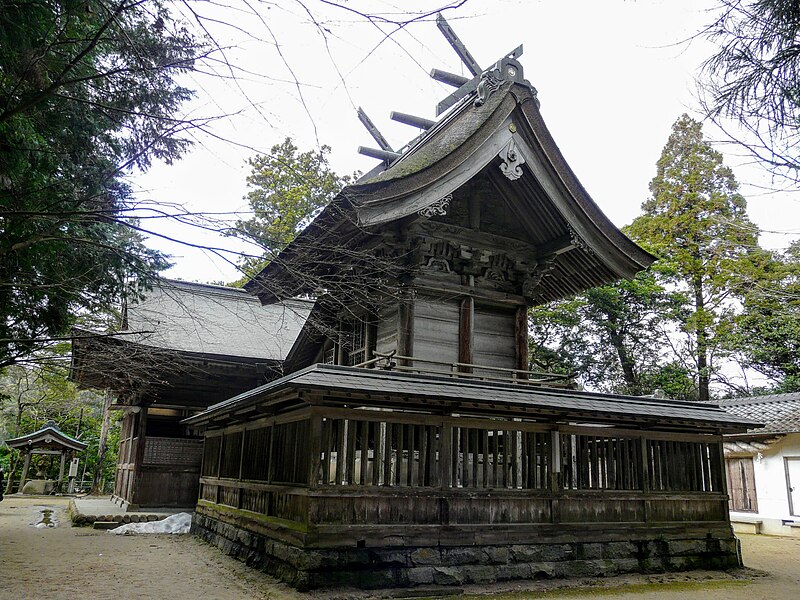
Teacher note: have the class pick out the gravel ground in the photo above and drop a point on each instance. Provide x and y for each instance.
(66, 562)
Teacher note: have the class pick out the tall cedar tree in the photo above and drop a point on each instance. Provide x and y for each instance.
(88, 91)
(289, 188)
(696, 224)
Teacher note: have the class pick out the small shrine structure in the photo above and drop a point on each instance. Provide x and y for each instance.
(182, 348)
(49, 440)
(413, 443)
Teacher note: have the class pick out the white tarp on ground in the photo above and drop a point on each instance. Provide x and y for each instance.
(177, 523)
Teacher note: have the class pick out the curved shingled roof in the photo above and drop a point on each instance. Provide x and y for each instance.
(474, 141)
(49, 436)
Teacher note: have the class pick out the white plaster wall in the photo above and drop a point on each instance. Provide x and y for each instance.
(771, 490)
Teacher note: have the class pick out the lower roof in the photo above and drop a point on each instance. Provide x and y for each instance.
(779, 412)
(376, 387)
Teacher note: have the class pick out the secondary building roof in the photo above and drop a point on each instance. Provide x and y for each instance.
(431, 392)
(49, 437)
(211, 319)
(780, 413)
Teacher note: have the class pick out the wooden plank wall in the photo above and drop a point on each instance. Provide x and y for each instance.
(436, 326)
(495, 337)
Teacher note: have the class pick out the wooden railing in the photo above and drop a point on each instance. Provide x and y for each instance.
(411, 364)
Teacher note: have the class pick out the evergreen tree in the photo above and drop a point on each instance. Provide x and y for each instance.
(88, 91)
(696, 224)
(289, 188)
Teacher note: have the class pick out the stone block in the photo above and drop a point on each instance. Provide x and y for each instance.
(513, 571)
(687, 547)
(479, 573)
(590, 551)
(426, 556)
(617, 550)
(496, 555)
(557, 552)
(447, 576)
(542, 570)
(525, 553)
(420, 575)
(463, 555)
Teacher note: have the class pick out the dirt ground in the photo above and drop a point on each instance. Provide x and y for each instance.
(64, 562)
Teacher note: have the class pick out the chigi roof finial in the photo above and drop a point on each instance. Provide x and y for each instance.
(483, 83)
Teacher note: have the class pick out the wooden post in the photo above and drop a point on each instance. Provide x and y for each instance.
(315, 448)
(645, 480)
(61, 471)
(521, 339)
(101, 451)
(466, 332)
(405, 332)
(139, 457)
(555, 475)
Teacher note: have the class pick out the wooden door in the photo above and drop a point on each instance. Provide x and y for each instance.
(741, 484)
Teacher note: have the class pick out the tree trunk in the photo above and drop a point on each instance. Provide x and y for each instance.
(101, 451)
(701, 336)
(13, 467)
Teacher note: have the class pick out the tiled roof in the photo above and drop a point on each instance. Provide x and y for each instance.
(495, 395)
(779, 412)
(211, 319)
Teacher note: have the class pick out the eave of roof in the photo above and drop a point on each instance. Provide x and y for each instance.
(40, 436)
(569, 403)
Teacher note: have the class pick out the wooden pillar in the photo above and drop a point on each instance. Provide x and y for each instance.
(25, 466)
(521, 339)
(466, 333)
(135, 492)
(315, 448)
(405, 329)
(61, 471)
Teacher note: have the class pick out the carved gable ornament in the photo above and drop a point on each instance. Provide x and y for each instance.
(512, 161)
(437, 208)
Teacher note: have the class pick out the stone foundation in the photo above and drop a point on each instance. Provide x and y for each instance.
(370, 568)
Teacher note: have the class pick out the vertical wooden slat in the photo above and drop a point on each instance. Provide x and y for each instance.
(422, 474)
(507, 451)
(352, 436)
(446, 461)
(704, 465)
(326, 452)
(400, 469)
(514, 460)
(485, 454)
(495, 457)
(411, 451)
(340, 451)
(387, 456)
(314, 448)
(377, 457)
(364, 451)
(474, 438)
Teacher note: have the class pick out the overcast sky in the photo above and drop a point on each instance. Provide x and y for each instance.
(612, 77)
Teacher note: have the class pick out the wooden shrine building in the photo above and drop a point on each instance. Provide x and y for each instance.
(184, 347)
(412, 444)
(48, 441)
